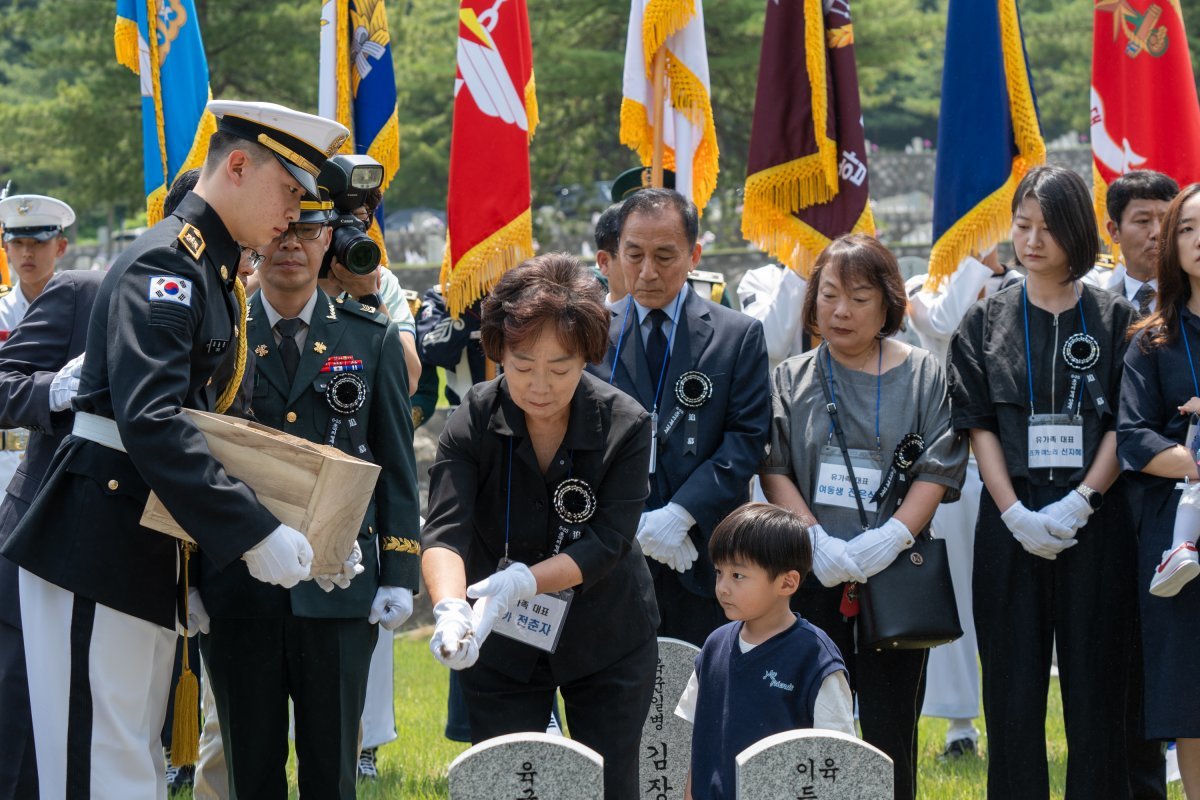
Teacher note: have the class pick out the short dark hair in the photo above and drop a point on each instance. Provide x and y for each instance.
(768, 536)
(372, 199)
(551, 289)
(222, 143)
(856, 255)
(656, 201)
(1067, 208)
(184, 183)
(1141, 184)
(608, 229)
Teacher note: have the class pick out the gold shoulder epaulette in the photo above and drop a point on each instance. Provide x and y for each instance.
(192, 240)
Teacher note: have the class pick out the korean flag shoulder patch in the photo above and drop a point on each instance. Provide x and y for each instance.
(171, 289)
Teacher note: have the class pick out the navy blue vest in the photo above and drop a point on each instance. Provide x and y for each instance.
(745, 697)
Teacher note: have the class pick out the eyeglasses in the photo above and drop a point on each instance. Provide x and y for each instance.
(302, 230)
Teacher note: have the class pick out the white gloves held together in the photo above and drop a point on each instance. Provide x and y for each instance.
(1039, 532)
(663, 536)
(460, 630)
(836, 561)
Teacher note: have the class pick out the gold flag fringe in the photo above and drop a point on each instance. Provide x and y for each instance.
(376, 235)
(985, 225)
(1100, 192)
(125, 42)
(660, 19)
(386, 149)
(480, 267)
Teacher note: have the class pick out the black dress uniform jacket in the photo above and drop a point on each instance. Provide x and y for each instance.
(146, 361)
(607, 444)
(712, 478)
(344, 328)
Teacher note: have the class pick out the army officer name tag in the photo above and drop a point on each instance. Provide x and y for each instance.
(834, 487)
(1055, 440)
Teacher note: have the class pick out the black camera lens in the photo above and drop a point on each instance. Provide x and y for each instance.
(355, 250)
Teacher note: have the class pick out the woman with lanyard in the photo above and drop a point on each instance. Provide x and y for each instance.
(534, 499)
(1158, 441)
(1035, 372)
(893, 415)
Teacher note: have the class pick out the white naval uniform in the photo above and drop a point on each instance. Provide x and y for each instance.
(952, 674)
(774, 296)
(12, 310)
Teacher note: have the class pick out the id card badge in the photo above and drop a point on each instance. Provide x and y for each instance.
(834, 487)
(1055, 440)
(538, 621)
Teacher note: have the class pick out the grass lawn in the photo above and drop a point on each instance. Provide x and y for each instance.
(414, 766)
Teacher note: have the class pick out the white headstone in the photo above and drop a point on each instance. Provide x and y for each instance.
(814, 764)
(667, 739)
(530, 766)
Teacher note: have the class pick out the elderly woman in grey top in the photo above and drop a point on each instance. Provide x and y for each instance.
(889, 396)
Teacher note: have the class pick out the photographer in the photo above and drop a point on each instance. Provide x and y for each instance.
(320, 365)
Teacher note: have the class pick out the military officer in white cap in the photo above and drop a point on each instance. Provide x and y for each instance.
(34, 240)
(98, 590)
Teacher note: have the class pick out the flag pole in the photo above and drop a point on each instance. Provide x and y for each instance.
(659, 84)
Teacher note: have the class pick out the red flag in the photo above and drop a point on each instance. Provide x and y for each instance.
(1144, 109)
(489, 229)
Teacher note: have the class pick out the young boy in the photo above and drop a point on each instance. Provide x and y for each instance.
(777, 671)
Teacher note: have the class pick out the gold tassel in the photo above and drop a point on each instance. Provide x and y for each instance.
(185, 728)
(125, 43)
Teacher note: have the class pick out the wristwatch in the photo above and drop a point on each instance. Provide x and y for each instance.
(1095, 499)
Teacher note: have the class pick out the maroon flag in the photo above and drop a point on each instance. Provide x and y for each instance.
(806, 180)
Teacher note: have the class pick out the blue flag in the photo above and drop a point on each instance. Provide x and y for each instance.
(989, 135)
(160, 41)
(358, 85)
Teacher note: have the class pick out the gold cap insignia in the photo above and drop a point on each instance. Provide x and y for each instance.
(193, 240)
(335, 145)
(24, 207)
(261, 351)
(319, 347)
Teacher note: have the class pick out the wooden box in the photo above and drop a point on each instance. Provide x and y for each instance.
(314, 488)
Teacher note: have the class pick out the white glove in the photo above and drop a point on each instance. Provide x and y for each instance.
(65, 385)
(497, 593)
(1039, 534)
(662, 531)
(1071, 512)
(283, 558)
(682, 557)
(351, 567)
(391, 607)
(832, 563)
(453, 641)
(197, 621)
(874, 549)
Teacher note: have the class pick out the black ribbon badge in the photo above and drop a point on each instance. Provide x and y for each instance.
(345, 394)
(1082, 353)
(692, 390)
(574, 501)
(907, 452)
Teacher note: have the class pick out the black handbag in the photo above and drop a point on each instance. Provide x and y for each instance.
(910, 605)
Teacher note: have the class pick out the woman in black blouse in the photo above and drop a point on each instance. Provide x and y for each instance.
(1035, 371)
(534, 500)
(1160, 376)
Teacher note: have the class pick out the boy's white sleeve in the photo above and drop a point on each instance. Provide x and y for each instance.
(686, 707)
(834, 709)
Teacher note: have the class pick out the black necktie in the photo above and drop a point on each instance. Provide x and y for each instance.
(656, 345)
(289, 352)
(1143, 298)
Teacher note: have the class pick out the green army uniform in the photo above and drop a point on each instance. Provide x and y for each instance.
(265, 642)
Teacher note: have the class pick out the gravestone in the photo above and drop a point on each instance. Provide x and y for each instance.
(818, 764)
(528, 766)
(667, 739)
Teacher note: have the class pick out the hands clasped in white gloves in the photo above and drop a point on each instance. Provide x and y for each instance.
(832, 563)
(197, 616)
(454, 643)
(663, 536)
(351, 567)
(65, 385)
(1071, 512)
(496, 594)
(283, 558)
(1040, 534)
(874, 549)
(391, 607)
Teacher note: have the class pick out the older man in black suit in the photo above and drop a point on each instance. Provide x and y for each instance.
(37, 365)
(701, 370)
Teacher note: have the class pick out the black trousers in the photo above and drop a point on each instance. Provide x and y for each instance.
(18, 763)
(890, 685)
(255, 665)
(1081, 602)
(682, 613)
(605, 710)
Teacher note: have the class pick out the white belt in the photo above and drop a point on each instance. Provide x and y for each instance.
(100, 430)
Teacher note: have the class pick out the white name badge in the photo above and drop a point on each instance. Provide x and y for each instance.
(1055, 440)
(538, 621)
(834, 484)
